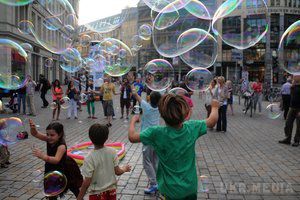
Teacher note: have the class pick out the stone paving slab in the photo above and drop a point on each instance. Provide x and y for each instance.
(244, 163)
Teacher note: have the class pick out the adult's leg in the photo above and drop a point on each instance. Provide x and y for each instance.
(297, 136)
(93, 108)
(149, 166)
(259, 102)
(24, 103)
(288, 129)
(29, 104)
(219, 120)
(255, 101)
(32, 106)
(70, 108)
(19, 103)
(224, 118)
(58, 111)
(88, 105)
(74, 105)
(122, 107)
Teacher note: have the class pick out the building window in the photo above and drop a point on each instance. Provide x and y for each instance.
(226, 56)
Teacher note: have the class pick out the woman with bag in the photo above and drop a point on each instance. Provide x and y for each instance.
(73, 95)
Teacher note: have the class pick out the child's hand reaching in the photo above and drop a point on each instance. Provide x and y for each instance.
(127, 168)
(38, 153)
(33, 130)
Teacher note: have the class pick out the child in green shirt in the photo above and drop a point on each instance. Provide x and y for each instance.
(174, 145)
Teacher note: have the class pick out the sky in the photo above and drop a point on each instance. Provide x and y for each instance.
(91, 10)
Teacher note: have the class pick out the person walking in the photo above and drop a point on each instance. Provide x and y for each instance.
(72, 93)
(30, 88)
(286, 96)
(294, 113)
(22, 98)
(57, 93)
(230, 95)
(222, 97)
(45, 86)
(257, 88)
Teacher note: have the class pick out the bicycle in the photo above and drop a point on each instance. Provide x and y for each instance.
(274, 95)
(249, 102)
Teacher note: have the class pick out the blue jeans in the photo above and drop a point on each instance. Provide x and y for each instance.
(22, 97)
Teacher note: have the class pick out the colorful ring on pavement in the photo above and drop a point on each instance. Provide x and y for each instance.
(76, 151)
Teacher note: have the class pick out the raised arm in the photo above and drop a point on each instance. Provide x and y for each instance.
(134, 136)
(135, 94)
(214, 115)
(36, 133)
(51, 159)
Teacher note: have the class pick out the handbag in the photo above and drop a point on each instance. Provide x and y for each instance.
(76, 96)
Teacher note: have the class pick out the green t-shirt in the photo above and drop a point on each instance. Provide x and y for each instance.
(176, 173)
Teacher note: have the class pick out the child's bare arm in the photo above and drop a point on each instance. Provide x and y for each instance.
(51, 159)
(36, 133)
(133, 136)
(214, 115)
(121, 170)
(85, 185)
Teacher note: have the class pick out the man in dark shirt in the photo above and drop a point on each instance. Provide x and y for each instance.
(44, 88)
(294, 113)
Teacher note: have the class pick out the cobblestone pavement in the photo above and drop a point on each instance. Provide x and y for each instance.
(244, 163)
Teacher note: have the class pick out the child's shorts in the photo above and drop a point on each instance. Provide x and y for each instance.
(107, 195)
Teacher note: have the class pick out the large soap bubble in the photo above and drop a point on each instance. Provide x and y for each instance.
(145, 31)
(9, 129)
(72, 61)
(25, 27)
(198, 79)
(158, 5)
(274, 111)
(158, 74)
(12, 77)
(290, 60)
(255, 25)
(54, 183)
(204, 54)
(16, 2)
(116, 65)
(169, 25)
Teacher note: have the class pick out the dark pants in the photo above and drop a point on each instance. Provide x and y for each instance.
(222, 121)
(286, 100)
(208, 109)
(43, 97)
(294, 113)
(22, 97)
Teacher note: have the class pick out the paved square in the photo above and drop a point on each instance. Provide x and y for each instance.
(245, 163)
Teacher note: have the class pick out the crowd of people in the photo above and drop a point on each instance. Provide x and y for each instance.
(163, 146)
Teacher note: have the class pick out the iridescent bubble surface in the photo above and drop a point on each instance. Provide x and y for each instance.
(290, 60)
(198, 79)
(54, 183)
(158, 74)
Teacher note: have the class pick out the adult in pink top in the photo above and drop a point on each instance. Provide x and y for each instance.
(57, 93)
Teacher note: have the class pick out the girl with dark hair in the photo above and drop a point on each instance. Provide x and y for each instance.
(57, 93)
(72, 93)
(56, 158)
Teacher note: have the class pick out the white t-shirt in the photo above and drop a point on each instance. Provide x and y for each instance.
(99, 165)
